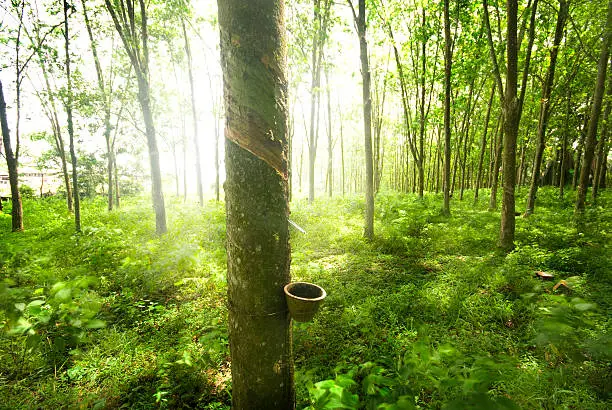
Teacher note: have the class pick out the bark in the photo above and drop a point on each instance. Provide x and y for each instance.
(196, 141)
(256, 192)
(545, 106)
(447, 95)
(360, 22)
(598, 93)
(511, 117)
(73, 158)
(12, 164)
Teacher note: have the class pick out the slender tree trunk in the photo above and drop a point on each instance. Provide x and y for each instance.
(598, 93)
(342, 152)
(580, 148)
(107, 106)
(465, 131)
(568, 112)
(496, 165)
(184, 162)
(257, 203)
(545, 106)
(447, 120)
(196, 141)
(73, 158)
(217, 137)
(532, 24)
(330, 144)
(483, 143)
(422, 118)
(511, 117)
(318, 41)
(135, 41)
(360, 22)
(12, 164)
(601, 145)
(57, 132)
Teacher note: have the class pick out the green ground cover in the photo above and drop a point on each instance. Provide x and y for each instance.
(428, 315)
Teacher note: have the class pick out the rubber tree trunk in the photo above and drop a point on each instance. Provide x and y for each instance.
(107, 106)
(360, 21)
(320, 21)
(330, 142)
(196, 140)
(57, 133)
(253, 59)
(511, 116)
(135, 41)
(483, 144)
(598, 93)
(11, 163)
(73, 158)
(601, 146)
(447, 96)
(545, 106)
(144, 96)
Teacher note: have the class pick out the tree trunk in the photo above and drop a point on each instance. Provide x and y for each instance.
(545, 106)
(447, 95)
(465, 131)
(256, 192)
(342, 151)
(73, 158)
(107, 106)
(483, 143)
(580, 148)
(511, 117)
(496, 165)
(11, 163)
(598, 93)
(55, 126)
(601, 146)
(135, 41)
(318, 41)
(360, 21)
(196, 143)
(568, 112)
(156, 181)
(422, 117)
(217, 137)
(330, 144)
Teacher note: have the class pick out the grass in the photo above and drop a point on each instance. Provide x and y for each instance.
(428, 315)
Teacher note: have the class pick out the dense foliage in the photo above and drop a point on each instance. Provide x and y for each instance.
(428, 315)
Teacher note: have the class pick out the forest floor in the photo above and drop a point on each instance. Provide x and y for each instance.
(428, 315)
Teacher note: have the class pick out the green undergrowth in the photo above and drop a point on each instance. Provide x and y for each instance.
(427, 315)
